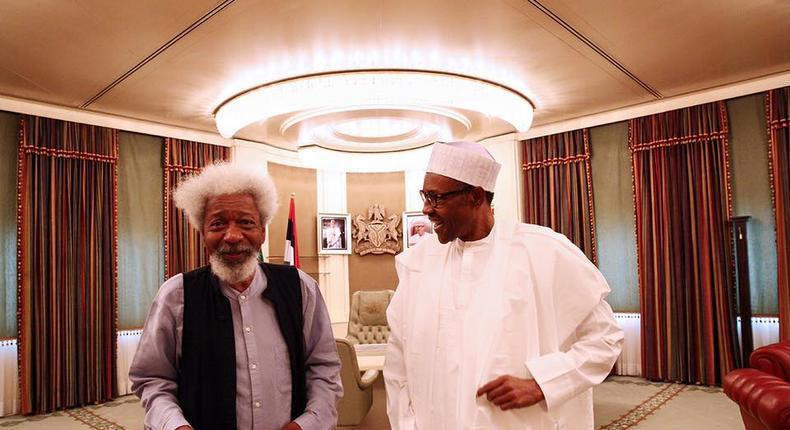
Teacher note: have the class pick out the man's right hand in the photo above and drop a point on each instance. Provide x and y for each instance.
(510, 392)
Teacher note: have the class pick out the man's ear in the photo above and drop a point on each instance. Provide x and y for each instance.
(478, 196)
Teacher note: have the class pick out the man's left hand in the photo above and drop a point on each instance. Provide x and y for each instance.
(291, 426)
(509, 392)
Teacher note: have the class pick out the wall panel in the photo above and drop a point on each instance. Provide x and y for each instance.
(302, 182)
(614, 214)
(9, 137)
(751, 195)
(374, 272)
(141, 245)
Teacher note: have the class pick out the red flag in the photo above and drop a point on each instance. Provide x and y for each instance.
(291, 253)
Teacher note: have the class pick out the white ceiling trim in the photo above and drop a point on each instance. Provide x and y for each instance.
(724, 92)
(267, 153)
(12, 104)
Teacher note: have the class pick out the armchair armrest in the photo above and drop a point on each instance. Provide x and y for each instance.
(368, 378)
(773, 359)
(765, 397)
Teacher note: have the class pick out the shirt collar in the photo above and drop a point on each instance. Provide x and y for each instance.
(472, 244)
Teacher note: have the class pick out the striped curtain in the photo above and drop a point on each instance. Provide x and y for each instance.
(66, 263)
(778, 115)
(558, 187)
(682, 201)
(184, 248)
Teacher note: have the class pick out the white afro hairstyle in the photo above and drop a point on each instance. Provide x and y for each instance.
(222, 178)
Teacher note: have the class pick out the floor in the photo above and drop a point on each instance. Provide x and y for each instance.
(620, 403)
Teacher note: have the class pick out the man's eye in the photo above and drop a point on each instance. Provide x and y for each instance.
(215, 224)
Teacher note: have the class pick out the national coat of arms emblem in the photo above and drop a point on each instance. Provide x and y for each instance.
(377, 233)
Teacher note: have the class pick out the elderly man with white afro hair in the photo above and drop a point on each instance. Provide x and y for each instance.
(193, 192)
(236, 344)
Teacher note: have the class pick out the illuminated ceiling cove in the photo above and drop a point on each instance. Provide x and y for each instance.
(375, 110)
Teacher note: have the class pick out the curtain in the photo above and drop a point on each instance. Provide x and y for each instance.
(684, 252)
(141, 247)
(630, 361)
(9, 399)
(558, 187)
(778, 116)
(765, 330)
(184, 249)
(127, 346)
(67, 264)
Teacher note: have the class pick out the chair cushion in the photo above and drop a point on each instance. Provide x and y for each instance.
(373, 307)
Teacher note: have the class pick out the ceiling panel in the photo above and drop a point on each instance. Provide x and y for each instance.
(683, 46)
(251, 43)
(64, 52)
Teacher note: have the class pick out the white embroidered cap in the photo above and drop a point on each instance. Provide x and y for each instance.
(466, 162)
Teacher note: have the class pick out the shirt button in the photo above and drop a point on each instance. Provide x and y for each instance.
(243, 297)
(253, 366)
(248, 329)
(257, 404)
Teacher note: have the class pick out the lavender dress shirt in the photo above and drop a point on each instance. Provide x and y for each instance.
(263, 378)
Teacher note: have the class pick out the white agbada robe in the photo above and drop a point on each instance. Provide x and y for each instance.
(524, 301)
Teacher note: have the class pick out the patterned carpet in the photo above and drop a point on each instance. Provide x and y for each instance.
(620, 403)
(634, 403)
(124, 413)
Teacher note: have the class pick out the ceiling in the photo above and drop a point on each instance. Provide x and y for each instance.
(175, 62)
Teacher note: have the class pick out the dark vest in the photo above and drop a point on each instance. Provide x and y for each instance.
(207, 369)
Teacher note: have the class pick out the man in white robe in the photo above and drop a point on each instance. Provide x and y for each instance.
(494, 325)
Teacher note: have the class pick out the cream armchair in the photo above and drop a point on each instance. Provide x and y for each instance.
(357, 389)
(368, 320)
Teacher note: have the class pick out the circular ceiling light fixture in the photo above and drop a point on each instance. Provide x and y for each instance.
(374, 110)
(376, 127)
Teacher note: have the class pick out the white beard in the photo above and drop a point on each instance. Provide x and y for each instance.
(233, 274)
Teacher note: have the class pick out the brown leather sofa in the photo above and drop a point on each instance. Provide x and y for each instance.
(763, 391)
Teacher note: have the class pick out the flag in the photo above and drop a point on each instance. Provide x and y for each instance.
(291, 253)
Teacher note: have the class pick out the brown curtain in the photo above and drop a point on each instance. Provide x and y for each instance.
(558, 187)
(778, 114)
(684, 252)
(184, 249)
(66, 263)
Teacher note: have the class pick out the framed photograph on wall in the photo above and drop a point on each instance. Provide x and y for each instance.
(334, 234)
(416, 227)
